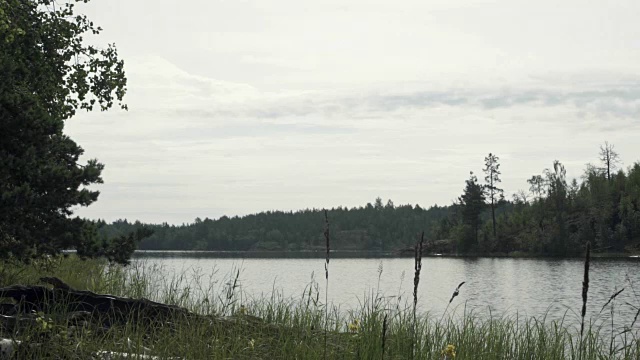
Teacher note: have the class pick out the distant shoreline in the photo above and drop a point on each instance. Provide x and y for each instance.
(348, 254)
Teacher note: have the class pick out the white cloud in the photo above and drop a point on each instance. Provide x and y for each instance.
(238, 107)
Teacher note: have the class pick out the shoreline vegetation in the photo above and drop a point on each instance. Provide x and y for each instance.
(555, 217)
(242, 327)
(353, 254)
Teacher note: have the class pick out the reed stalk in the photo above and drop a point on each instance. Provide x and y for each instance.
(385, 324)
(585, 291)
(326, 276)
(456, 292)
(416, 281)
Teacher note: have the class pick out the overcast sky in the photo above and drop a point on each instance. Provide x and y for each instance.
(237, 107)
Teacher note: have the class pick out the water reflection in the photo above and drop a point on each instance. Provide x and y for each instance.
(496, 286)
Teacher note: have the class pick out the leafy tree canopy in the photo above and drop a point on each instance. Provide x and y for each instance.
(48, 73)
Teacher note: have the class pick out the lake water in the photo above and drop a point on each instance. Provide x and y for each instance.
(496, 286)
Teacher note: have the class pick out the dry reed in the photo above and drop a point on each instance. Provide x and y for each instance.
(456, 292)
(611, 299)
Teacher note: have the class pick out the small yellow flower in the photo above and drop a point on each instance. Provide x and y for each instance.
(449, 352)
(45, 323)
(354, 326)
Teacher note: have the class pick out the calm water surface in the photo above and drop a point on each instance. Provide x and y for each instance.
(497, 286)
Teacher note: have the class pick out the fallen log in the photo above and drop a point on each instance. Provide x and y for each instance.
(109, 308)
(74, 312)
(8, 309)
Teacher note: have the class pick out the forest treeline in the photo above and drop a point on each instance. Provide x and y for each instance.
(372, 227)
(552, 216)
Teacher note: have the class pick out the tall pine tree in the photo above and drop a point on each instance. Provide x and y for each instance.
(492, 171)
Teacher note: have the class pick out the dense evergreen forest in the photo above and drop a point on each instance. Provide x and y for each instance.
(555, 217)
(373, 227)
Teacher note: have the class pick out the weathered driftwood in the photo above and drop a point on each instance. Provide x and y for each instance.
(110, 308)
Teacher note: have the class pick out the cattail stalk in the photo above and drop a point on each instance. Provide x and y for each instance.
(585, 288)
(326, 275)
(417, 251)
(384, 333)
(613, 305)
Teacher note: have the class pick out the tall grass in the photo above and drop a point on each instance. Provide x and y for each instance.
(279, 327)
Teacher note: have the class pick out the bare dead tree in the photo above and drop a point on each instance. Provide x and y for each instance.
(521, 196)
(609, 158)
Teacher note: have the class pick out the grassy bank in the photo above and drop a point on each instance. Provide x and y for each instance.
(280, 328)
